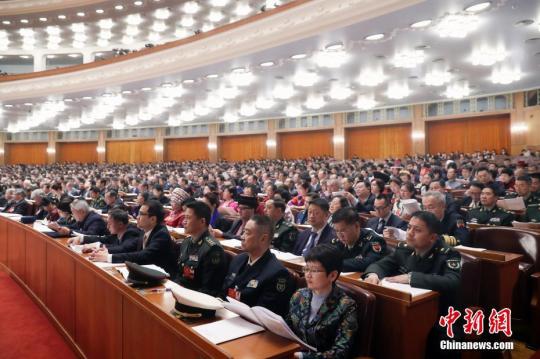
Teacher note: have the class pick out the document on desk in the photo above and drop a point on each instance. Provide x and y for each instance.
(470, 248)
(11, 215)
(231, 243)
(228, 329)
(404, 288)
(512, 204)
(265, 318)
(40, 227)
(284, 256)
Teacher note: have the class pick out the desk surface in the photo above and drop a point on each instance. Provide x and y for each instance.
(88, 304)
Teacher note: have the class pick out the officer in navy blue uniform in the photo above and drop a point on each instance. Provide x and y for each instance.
(453, 228)
(256, 277)
(359, 246)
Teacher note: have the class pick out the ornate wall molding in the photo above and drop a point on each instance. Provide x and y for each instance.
(307, 19)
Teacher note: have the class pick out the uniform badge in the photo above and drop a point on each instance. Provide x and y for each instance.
(376, 247)
(253, 283)
(216, 258)
(194, 258)
(233, 293)
(460, 223)
(454, 264)
(276, 235)
(281, 285)
(188, 273)
(495, 220)
(359, 257)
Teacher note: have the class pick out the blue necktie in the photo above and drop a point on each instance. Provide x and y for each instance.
(310, 244)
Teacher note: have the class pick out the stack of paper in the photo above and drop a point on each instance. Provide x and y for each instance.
(512, 204)
(228, 329)
(284, 256)
(404, 288)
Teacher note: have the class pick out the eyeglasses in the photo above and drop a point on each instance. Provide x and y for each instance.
(142, 214)
(307, 270)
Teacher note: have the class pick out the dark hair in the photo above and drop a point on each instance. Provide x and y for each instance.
(432, 223)
(145, 195)
(264, 225)
(343, 202)
(305, 185)
(231, 190)
(348, 215)
(212, 197)
(113, 193)
(379, 183)
(119, 215)
(201, 210)
(328, 255)
(525, 179)
(283, 193)
(409, 186)
(158, 187)
(508, 171)
(95, 189)
(396, 181)
(280, 204)
(155, 208)
(477, 184)
(321, 203)
(385, 198)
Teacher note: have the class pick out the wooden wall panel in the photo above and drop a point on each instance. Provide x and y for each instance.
(84, 152)
(3, 242)
(36, 268)
(378, 141)
(305, 144)
(468, 134)
(240, 148)
(186, 149)
(27, 153)
(131, 151)
(16, 250)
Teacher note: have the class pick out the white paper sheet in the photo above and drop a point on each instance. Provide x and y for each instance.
(284, 256)
(410, 205)
(40, 227)
(470, 248)
(235, 243)
(512, 204)
(404, 288)
(228, 329)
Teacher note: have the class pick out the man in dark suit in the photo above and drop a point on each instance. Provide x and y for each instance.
(19, 204)
(112, 200)
(156, 246)
(384, 216)
(88, 221)
(247, 206)
(256, 277)
(124, 236)
(321, 232)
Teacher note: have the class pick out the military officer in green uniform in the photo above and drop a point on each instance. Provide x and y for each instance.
(97, 202)
(532, 213)
(423, 261)
(359, 246)
(489, 213)
(201, 264)
(524, 190)
(285, 233)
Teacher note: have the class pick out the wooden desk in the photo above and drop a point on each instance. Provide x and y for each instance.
(402, 322)
(102, 317)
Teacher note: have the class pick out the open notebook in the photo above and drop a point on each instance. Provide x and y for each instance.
(265, 318)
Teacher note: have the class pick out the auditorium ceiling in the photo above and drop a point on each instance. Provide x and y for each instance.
(434, 50)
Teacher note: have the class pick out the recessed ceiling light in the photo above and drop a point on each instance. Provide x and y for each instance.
(212, 76)
(81, 14)
(8, 106)
(374, 37)
(298, 56)
(68, 100)
(119, 7)
(6, 22)
(99, 11)
(267, 64)
(87, 98)
(28, 103)
(51, 56)
(420, 24)
(126, 92)
(478, 7)
(334, 46)
(24, 21)
(145, 89)
(24, 56)
(74, 55)
(42, 19)
(188, 81)
(62, 17)
(137, 3)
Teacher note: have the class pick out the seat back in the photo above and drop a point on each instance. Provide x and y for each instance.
(512, 240)
(365, 302)
(297, 279)
(471, 276)
(229, 256)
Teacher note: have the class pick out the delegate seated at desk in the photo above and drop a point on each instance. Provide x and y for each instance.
(154, 248)
(322, 315)
(256, 277)
(124, 236)
(87, 221)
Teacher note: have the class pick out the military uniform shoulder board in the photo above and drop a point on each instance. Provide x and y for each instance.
(376, 246)
(210, 241)
(444, 250)
(335, 241)
(460, 223)
(449, 240)
(402, 245)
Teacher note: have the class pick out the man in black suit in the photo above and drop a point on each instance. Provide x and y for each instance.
(321, 232)
(112, 200)
(155, 247)
(384, 216)
(19, 204)
(124, 236)
(256, 277)
(88, 221)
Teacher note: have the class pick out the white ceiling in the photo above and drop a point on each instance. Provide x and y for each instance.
(498, 27)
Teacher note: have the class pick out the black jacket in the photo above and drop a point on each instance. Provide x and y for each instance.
(326, 237)
(266, 283)
(158, 251)
(393, 221)
(93, 224)
(128, 243)
(22, 207)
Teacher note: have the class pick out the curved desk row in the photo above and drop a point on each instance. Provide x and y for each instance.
(100, 316)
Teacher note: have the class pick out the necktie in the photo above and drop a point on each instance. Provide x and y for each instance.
(145, 240)
(310, 243)
(380, 226)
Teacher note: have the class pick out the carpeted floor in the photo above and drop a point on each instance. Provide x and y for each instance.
(25, 332)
